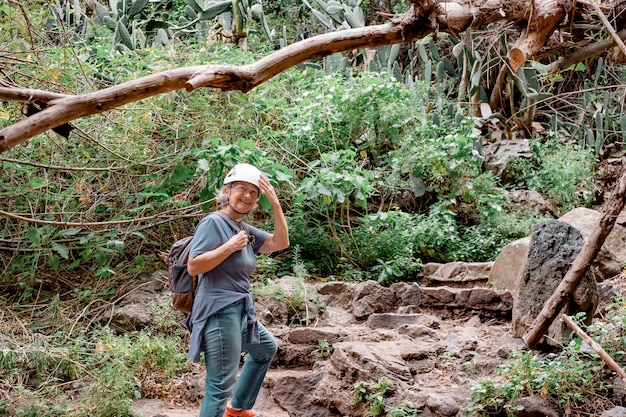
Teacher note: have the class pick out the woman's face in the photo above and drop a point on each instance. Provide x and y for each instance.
(243, 196)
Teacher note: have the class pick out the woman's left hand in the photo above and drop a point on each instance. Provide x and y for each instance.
(268, 191)
(280, 238)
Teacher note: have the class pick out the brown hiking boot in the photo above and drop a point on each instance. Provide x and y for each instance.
(241, 413)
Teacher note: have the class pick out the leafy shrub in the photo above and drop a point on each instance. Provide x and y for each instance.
(366, 113)
(483, 242)
(438, 158)
(311, 235)
(375, 396)
(437, 234)
(561, 172)
(566, 377)
(383, 244)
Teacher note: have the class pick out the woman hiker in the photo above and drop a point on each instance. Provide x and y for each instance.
(223, 320)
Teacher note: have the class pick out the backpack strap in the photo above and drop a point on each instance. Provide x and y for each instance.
(235, 226)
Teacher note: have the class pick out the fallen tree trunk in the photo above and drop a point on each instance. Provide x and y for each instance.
(579, 267)
(539, 18)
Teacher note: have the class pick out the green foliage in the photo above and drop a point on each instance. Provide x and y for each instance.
(361, 140)
(483, 242)
(39, 358)
(566, 377)
(299, 268)
(609, 333)
(404, 409)
(374, 395)
(266, 267)
(113, 366)
(561, 172)
(437, 234)
(383, 244)
(316, 244)
(367, 113)
(121, 361)
(139, 24)
(441, 159)
(324, 349)
(334, 182)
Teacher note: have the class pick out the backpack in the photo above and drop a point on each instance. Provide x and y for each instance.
(181, 284)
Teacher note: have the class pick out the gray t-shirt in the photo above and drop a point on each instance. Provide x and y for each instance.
(227, 283)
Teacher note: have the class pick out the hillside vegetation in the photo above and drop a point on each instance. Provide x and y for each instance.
(378, 159)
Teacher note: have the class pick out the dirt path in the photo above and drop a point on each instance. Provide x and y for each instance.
(265, 407)
(159, 408)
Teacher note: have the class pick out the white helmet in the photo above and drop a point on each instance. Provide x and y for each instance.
(243, 172)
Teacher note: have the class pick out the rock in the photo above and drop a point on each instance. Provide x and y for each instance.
(295, 393)
(553, 247)
(531, 199)
(614, 412)
(455, 274)
(131, 312)
(337, 294)
(394, 321)
(499, 157)
(131, 317)
(612, 255)
(370, 297)
(312, 335)
(443, 405)
(536, 406)
(487, 300)
(509, 265)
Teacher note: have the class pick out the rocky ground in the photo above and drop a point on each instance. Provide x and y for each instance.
(432, 356)
(441, 355)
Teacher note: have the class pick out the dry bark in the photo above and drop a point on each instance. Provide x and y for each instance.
(579, 267)
(544, 17)
(595, 346)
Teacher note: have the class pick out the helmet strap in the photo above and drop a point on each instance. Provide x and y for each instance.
(233, 209)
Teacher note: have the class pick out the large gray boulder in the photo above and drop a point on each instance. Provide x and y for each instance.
(553, 247)
(508, 267)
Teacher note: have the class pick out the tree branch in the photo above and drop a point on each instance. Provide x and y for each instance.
(607, 25)
(583, 53)
(546, 14)
(414, 24)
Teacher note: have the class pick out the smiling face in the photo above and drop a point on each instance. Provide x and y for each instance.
(242, 196)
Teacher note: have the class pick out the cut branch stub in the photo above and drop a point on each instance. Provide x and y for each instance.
(545, 16)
